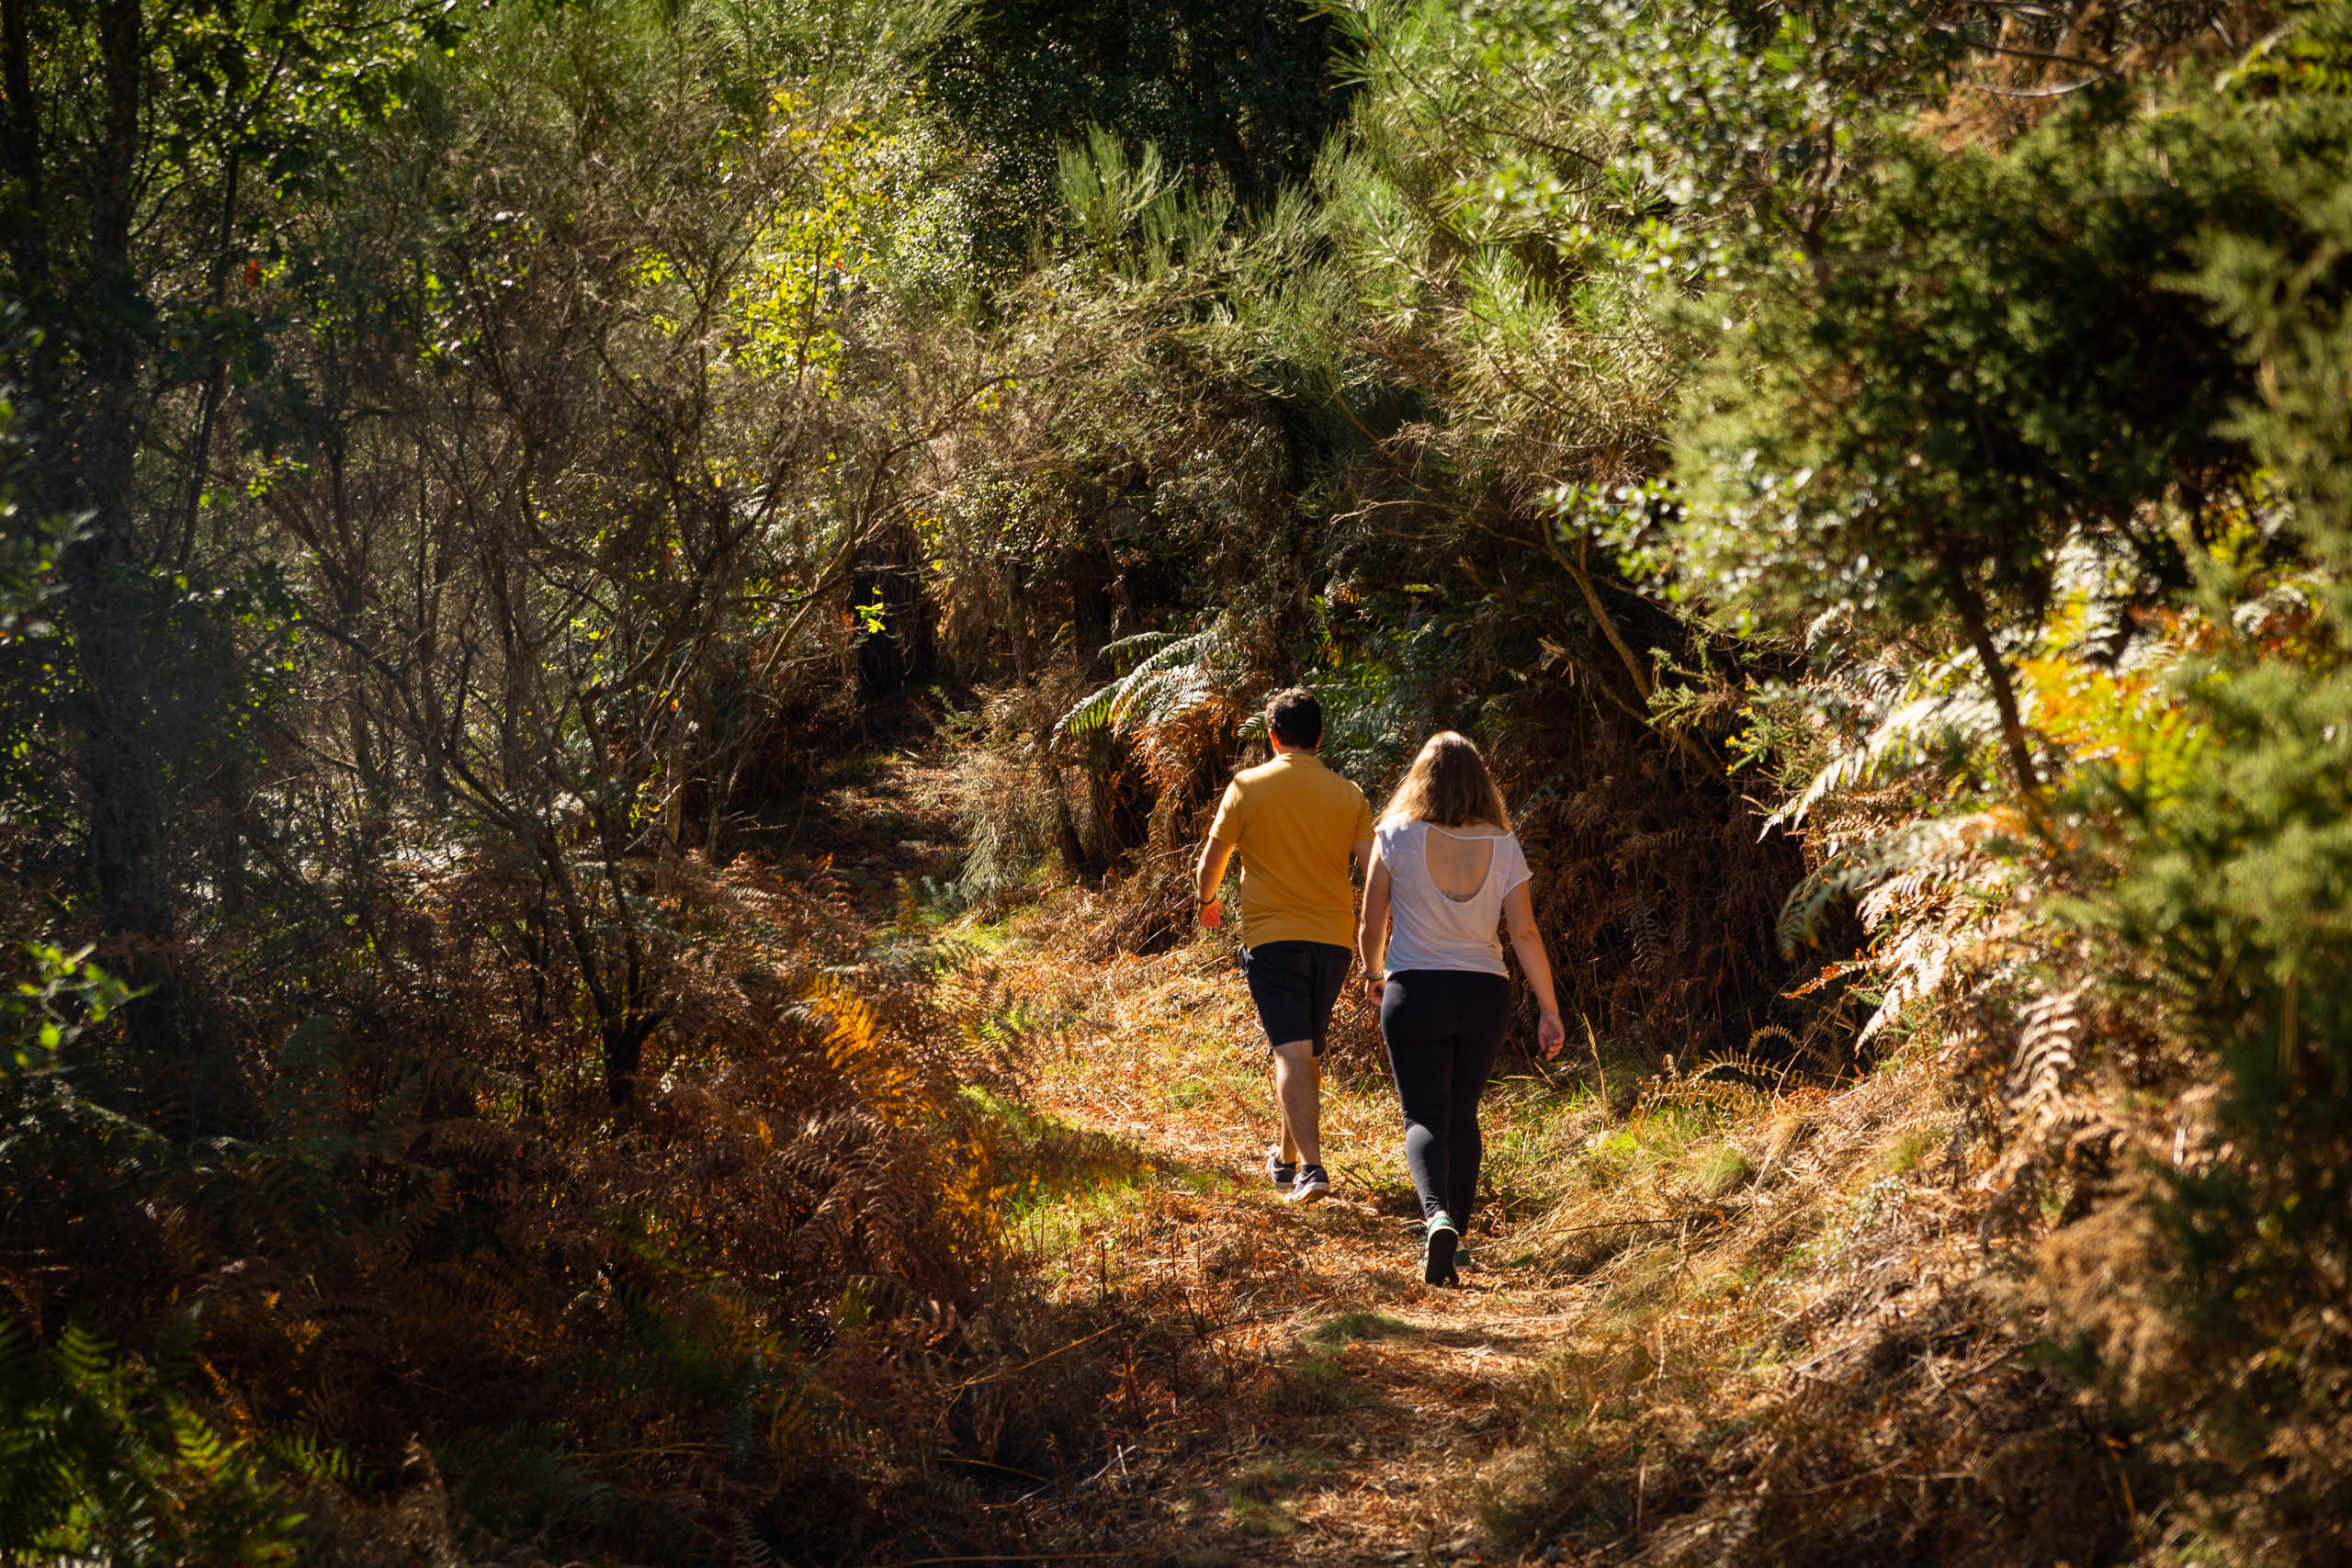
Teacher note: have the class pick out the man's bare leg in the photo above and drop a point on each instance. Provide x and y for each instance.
(1298, 1090)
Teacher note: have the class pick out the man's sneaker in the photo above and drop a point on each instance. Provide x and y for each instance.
(1438, 1257)
(1280, 1171)
(1311, 1187)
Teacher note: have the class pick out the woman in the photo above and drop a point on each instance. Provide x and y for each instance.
(1446, 871)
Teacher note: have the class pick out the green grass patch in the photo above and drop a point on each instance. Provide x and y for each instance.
(1902, 1156)
(1267, 1520)
(856, 768)
(1315, 1384)
(1206, 1181)
(1269, 1478)
(1254, 1506)
(1328, 1333)
(1045, 1161)
(1059, 1183)
(1719, 1171)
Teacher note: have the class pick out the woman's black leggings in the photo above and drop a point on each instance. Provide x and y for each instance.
(1442, 1028)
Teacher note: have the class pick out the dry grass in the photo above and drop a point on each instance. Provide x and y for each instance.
(1718, 1325)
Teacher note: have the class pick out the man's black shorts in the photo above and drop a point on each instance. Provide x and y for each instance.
(1296, 985)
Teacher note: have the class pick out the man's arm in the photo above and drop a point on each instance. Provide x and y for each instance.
(1209, 874)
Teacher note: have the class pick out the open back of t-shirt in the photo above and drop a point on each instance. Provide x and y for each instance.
(1459, 860)
(1446, 893)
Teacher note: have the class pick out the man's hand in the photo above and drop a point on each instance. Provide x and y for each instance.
(1551, 1033)
(1210, 874)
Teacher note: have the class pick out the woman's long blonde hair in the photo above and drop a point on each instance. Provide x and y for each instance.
(1449, 785)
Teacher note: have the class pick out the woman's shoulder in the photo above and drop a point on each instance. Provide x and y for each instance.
(1515, 867)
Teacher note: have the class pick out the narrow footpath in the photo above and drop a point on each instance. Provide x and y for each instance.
(1383, 1404)
(1375, 1406)
(1645, 1279)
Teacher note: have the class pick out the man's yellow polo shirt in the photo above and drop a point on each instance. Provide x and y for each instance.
(1294, 820)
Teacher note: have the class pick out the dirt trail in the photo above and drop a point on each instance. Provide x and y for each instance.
(885, 820)
(1372, 1405)
(1385, 1401)
(1360, 1409)
(1657, 1290)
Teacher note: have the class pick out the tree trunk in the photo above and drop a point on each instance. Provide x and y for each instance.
(620, 1030)
(21, 145)
(1024, 638)
(1970, 606)
(1067, 842)
(113, 602)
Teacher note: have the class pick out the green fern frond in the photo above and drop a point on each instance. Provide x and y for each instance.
(102, 1461)
(1919, 731)
(1859, 868)
(1174, 676)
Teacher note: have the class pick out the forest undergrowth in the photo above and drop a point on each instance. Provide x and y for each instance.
(1714, 1316)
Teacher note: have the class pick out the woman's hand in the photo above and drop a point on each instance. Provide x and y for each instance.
(1375, 988)
(1551, 1033)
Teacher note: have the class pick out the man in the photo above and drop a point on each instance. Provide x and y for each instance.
(1295, 822)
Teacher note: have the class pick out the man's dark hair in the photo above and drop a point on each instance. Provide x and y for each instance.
(1294, 718)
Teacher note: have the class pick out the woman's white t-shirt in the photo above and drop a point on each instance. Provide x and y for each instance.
(1429, 929)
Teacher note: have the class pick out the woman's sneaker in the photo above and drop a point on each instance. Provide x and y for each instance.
(1280, 1171)
(1438, 1257)
(1311, 1187)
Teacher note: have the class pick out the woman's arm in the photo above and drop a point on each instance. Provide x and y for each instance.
(1519, 918)
(1372, 928)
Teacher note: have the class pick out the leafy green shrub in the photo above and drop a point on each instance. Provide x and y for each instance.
(44, 1013)
(2122, 347)
(2234, 883)
(1986, 366)
(102, 1459)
